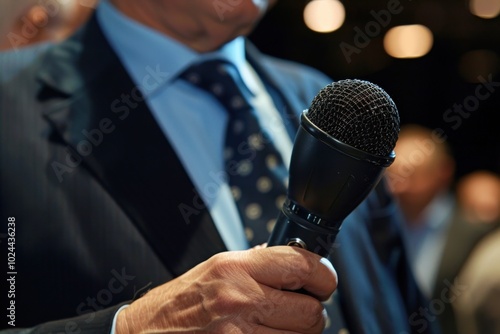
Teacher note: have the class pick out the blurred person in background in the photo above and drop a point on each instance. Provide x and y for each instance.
(27, 22)
(437, 234)
(478, 308)
(478, 194)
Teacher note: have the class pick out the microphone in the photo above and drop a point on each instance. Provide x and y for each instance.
(344, 143)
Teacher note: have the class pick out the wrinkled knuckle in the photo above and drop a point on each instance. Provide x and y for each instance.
(307, 268)
(314, 316)
(220, 264)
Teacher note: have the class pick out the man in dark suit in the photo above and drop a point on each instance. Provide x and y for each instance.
(109, 167)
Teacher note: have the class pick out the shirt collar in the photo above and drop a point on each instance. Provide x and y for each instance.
(153, 59)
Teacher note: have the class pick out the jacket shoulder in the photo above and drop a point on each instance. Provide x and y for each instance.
(298, 78)
(16, 61)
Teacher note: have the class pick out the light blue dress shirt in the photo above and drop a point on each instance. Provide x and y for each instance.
(192, 120)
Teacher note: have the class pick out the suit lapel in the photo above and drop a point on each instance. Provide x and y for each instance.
(97, 111)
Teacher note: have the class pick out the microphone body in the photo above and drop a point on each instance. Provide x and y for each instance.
(328, 180)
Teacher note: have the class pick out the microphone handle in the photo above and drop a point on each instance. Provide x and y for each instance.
(293, 230)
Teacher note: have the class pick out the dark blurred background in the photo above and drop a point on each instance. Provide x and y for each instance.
(425, 89)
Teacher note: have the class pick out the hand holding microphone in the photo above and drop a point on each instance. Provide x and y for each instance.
(344, 143)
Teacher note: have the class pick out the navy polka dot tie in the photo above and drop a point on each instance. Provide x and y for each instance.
(256, 173)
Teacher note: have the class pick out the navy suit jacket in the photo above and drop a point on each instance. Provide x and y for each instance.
(105, 210)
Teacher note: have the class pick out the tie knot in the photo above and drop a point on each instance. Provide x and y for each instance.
(218, 78)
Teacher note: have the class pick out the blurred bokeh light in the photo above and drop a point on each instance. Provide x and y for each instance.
(408, 41)
(486, 9)
(324, 15)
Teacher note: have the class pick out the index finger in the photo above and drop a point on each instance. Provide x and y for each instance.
(292, 268)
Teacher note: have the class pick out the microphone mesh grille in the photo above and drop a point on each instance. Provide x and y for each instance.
(357, 113)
